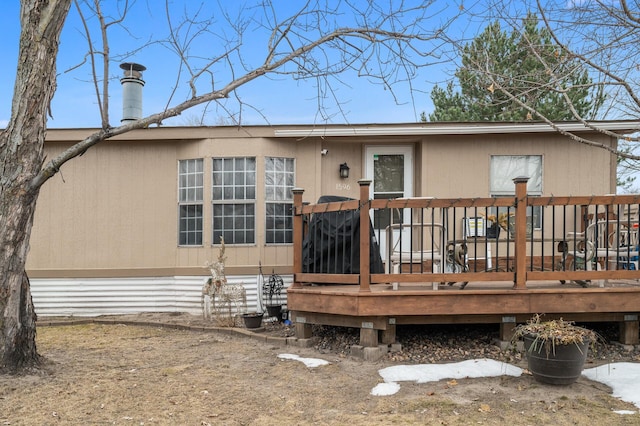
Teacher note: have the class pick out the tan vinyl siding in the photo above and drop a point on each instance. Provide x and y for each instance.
(459, 166)
(116, 208)
(113, 207)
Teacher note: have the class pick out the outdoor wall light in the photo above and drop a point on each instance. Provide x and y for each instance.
(344, 171)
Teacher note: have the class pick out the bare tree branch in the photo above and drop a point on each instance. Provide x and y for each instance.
(598, 35)
(309, 44)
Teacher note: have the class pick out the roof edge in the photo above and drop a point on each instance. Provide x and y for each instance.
(425, 129)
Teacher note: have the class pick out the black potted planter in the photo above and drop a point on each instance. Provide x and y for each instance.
(493, 231)
(556, 350)
(274, 311)
(252, 319)
(561, 364)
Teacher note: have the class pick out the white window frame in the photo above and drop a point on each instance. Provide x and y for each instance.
(279, 182)
(233, 188)
(190, 202)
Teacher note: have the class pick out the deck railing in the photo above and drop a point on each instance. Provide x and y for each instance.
(584, 239)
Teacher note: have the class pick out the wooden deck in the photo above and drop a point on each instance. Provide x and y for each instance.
(382, 308)
(507, 296)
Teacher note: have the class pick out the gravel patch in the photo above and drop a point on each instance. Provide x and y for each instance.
(453, 343)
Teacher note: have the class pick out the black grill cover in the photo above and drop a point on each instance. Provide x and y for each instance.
(332, 244)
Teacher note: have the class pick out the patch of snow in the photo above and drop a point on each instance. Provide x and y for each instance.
(309, 362)
(424, 373)
(622, 377)
(385, 389)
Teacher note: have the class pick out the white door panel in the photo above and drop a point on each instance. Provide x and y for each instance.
(391, 170)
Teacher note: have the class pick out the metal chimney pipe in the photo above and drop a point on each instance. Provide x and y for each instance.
(132, 84)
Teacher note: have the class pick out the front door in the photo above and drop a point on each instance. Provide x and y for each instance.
(391, 170)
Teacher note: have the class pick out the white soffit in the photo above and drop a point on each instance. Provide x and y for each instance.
(472, 129)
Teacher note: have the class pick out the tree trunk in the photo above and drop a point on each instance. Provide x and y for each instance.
(18, 317)
(18, 322)
(21, 158)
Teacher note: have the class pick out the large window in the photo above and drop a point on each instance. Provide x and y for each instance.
(279, 181)
(504, 168)
(234, 200)
(190, 191)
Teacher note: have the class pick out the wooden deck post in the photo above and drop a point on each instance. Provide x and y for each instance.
(629, 329)
(507, 328)
(520, 280)
(388, 336)
(365, 237)
(298, 224)
(368, 337)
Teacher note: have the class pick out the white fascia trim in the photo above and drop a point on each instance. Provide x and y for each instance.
(627, 126)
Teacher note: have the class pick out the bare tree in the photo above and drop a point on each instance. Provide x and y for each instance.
(600, 37)
(385, 43)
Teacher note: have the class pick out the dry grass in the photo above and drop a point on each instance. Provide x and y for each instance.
(131, 375)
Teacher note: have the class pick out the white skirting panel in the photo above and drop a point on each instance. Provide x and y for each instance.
(117, 296)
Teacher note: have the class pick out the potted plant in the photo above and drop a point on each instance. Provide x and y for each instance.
(556, 350)
(271, 294)
(499, 221)
(272, 290)
(252, 319)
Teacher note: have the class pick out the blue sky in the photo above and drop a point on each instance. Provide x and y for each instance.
(280, 100)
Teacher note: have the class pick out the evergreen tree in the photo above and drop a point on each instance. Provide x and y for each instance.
(526, 64)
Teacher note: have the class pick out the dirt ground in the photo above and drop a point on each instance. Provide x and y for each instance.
(151, 375)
